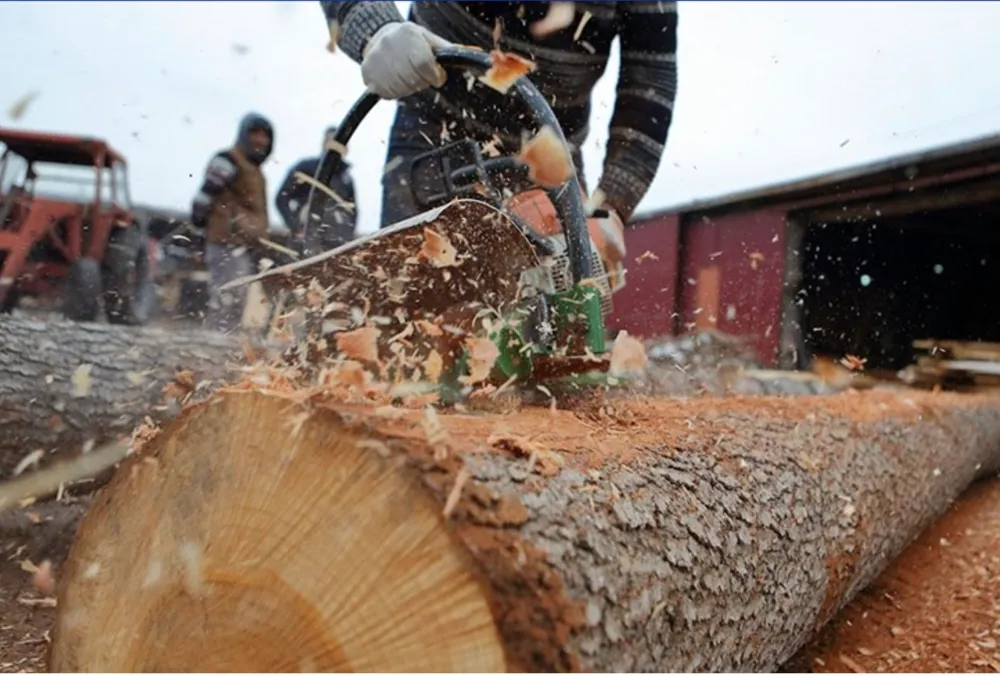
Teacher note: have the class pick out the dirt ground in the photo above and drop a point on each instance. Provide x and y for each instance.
(935, 609)
(29, 536)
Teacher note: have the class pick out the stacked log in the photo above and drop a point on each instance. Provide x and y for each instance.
(66, 387)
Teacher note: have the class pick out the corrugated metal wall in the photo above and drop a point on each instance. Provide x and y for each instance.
(731, 269)
(645, 307)
(692, 272)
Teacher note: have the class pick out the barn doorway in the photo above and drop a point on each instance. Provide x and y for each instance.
(870, 288)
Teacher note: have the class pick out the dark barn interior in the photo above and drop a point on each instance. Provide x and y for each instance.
(871, 286)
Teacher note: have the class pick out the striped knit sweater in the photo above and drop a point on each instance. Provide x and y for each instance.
(570, 62)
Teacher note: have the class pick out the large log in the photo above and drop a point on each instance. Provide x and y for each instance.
(65, 385)
(267, 532)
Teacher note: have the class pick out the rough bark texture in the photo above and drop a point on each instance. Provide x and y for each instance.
(664, 535)
(42, 405)
(715, 535)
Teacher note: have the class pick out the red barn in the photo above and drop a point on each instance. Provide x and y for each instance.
(861, 261)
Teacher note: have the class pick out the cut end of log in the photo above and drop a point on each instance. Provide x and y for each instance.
(289, 544)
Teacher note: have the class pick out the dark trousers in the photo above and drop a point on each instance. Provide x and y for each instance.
(417, 128)
(414, 131)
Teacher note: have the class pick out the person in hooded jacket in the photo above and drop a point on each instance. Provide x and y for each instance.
(294, 195)
(231, 208)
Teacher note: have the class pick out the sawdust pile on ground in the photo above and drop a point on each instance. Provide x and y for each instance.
(935, 609)
(31, 535)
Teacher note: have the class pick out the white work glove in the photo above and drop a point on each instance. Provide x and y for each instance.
(399, 60)
(608, 235)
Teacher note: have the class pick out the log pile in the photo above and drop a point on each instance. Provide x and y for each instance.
(275, 528)
(955, 365)
(66, 387)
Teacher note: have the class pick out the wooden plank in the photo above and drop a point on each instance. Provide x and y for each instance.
(968, 366)
(978, 351)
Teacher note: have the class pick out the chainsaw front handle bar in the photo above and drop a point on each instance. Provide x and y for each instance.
(567, 198)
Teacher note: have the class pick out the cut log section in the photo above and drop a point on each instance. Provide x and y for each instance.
(67, 385)
(262, 532)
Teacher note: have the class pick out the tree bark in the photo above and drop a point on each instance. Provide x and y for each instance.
(64, 385)
(263, 532)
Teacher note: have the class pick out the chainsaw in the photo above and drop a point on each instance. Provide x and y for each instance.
(495, 258)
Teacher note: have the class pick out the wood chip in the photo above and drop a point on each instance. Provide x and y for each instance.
(628, 355)
(43, 580)
(333, 26)
(547, 158)
(483, 353)
(852, 362)
(433, 366)
(506, 70)
(81, 380)
(360, 344)
(438, 249)
(28, 461)
(559, 16)
(20, 106)
(456, 493)
(851, 663)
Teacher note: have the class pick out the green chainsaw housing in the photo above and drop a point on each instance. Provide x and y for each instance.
(578, 340)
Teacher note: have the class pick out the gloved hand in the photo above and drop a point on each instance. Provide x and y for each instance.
(608, 235)
(399, 60)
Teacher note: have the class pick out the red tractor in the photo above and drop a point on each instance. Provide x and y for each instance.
(67, 231)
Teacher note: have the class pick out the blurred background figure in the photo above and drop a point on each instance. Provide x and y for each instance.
(231, 207)
(294, 195)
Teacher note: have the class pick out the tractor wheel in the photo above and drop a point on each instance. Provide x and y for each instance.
(82, 295)
(9, 303)
(129, 294)
(192, 302)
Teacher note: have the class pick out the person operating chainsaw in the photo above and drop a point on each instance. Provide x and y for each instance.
(231, 207)
(570, 44)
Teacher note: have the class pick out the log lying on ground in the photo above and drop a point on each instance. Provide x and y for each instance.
(262, 532)
(65, 384)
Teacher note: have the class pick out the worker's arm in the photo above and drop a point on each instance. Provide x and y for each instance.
(647, 85)
(396, 56)
(220, 174)
(358, 22)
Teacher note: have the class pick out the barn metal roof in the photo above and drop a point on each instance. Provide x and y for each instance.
(838, 185)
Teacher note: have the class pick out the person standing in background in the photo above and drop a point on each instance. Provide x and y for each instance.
(294, 195)
(231, 207)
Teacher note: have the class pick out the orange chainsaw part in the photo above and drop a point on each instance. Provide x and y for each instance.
(539, 213)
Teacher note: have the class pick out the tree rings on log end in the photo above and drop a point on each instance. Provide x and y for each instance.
(253, 536)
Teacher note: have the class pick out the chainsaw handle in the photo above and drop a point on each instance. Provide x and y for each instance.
(567, 198)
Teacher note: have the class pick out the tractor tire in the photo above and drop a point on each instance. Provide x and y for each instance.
(9, 303)
(192, 301)
(129, 293)
(82, 294)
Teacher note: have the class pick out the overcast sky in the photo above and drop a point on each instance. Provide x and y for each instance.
(768, 91)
